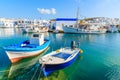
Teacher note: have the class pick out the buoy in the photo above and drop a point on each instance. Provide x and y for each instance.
(81, 51)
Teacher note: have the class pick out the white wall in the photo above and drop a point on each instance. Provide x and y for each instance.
(59, 24)
(9, 24)
(1, 24)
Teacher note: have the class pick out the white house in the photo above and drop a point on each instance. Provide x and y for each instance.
(1, 24)
(59, 22)
(9, 24)
(4, 22)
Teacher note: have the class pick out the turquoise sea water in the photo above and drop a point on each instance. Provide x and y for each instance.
(100, 59)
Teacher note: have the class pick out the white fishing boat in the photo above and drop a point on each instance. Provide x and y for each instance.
(30, 29)
(43, 29)
(94, 29)
(55, 31)
(35, 29)
(59, 59)
(112, 29)
(36, 45)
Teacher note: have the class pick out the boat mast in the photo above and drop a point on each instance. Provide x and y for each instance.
(77, 16)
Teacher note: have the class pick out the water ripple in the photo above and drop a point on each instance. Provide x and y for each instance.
(113, 73)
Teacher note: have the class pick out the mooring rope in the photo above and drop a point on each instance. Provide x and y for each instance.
(34, 74)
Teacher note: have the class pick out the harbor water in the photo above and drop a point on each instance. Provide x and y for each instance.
(100, 59)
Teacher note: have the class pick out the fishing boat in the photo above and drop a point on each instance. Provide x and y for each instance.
(30, 29)
(112, 29)
(36, 45)
(56, 31)
(93, 29)
(34, 29)
(59, 59)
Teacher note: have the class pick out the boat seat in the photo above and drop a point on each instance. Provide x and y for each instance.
(29, 46)
(62, 55)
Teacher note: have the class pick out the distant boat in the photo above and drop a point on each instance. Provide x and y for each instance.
(55, 31)
(94, 29)
(112, 29)
(59, 59)
(35, 29)
(43, 29)
(36, 45)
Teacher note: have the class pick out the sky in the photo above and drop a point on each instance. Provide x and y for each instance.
(51, 9)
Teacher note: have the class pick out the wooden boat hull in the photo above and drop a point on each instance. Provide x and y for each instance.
(49, 68)
(17, 54)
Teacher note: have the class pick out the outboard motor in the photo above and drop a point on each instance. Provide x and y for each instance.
(73, 46)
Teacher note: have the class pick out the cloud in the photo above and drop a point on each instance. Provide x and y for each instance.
(53, 11)
(47, 11)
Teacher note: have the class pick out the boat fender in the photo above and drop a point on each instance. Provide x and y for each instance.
(81, 51)
(57, 50)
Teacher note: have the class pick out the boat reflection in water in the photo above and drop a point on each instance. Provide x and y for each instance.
(19, 68)
(65, 73)
(30, 69)
(7, 32)
(22, 69)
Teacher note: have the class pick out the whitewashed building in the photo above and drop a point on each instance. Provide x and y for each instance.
(5, 22)
(1, 24)
(59, 22)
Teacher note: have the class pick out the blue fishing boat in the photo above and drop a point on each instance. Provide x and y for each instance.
(36, 45)
(59, 59)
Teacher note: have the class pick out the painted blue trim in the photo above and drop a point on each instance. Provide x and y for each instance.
(50, 68)
(66, 19)
(17, 48)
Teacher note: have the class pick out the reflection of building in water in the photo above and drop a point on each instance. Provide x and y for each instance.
(82, 37)
(91, 37)
(58, 37)
(7, 31)
(56, 40)
(46, 34)
(88, 37)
